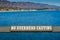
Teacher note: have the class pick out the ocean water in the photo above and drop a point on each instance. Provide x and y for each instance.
(30, 18)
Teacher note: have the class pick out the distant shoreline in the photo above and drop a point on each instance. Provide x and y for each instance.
(26, 10)
(19, 10)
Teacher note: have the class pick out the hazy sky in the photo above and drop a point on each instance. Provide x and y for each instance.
(51, 2)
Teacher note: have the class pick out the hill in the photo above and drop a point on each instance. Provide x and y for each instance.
(26, 5)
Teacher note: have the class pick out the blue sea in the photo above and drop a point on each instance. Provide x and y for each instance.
(30, 18)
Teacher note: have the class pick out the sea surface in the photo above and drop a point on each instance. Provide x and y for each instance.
(30, 18)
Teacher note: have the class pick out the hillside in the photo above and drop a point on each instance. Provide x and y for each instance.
(26, 5)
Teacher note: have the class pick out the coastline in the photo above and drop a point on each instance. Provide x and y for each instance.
(19, 10)
(26, 10)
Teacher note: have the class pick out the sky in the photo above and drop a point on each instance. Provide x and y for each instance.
(50, 2)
